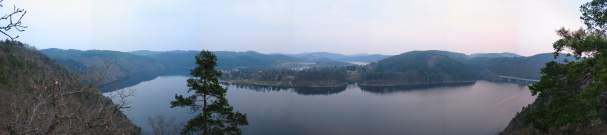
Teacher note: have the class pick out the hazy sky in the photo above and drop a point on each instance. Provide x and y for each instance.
(293, 26)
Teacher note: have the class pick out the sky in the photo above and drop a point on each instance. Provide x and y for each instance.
(525, 27)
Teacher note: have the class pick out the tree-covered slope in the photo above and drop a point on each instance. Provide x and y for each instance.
(572, 96)
(251, 59)
(182, 61)
(40, 97)
(416, 67)
(525, 67)
(318, 55)
(367, 58)
(308, 78)
(364, 58)
(105, 67)
(430, 67)
(175, 62)
(494, 55)
(420, 67)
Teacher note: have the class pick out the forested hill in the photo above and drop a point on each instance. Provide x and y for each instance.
(430, 67)
(104, 66)
(167, 61)
(180, 61)
(120, 69)
(41, 97)
(113, 69)
(494, 55)
(229, 60)
(363, 58)
(525, 67)
(420, 67)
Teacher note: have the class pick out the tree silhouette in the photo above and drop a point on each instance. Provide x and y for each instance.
(12, 22)
(217, 116)
(569, 93)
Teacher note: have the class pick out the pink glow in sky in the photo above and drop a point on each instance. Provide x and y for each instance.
(292, 26)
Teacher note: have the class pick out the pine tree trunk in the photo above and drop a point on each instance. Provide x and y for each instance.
(205, 114)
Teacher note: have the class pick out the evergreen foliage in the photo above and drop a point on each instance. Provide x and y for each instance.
(217, 116)
(422, 67)
(569, 93)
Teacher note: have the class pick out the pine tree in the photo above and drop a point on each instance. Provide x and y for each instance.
(569, 93)
(217, 116)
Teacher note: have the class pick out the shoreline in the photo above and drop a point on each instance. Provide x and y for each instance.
(416, 84)
(285, 85)
(282, 84)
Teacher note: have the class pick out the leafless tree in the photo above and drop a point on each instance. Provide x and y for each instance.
(11, 21)
(64, 108)
(163, 126)
(121, 98)
(56, 103)
(46, 100)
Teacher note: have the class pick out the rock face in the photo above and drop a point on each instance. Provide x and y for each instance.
(40, 97)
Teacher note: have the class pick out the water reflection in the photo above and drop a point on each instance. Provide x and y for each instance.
(135, 79)
(127, 82)
(260, 88)
(480, 109)
(298, 90)
(336, 90)
(319, 91)
(393, 89)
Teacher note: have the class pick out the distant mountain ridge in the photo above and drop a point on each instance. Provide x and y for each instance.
(414, 67)
(107, 68)
(366, 58)
(229, 60)
(116, 67)
(441, 67)
(495, 55)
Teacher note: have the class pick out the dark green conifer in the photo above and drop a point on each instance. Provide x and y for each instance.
(569, 93)
(217, 117)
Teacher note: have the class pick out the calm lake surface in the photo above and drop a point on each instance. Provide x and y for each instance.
(482, 108)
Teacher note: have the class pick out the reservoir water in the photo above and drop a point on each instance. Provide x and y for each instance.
(482, 108)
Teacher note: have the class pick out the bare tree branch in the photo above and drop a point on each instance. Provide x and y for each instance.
(12, 21)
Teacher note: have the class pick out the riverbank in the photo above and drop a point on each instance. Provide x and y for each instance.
(405, 86)
(336, 85)
(290, 84)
